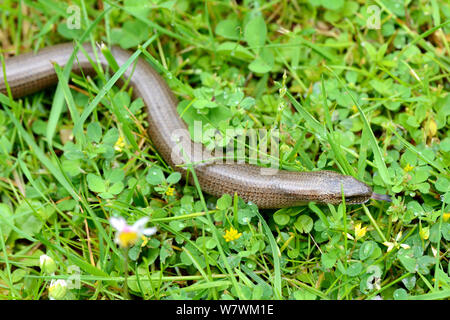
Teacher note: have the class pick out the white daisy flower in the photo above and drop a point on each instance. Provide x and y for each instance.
(57, 289)
(127, 235)
(395, 244)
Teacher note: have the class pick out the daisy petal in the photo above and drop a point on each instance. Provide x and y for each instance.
(140, 223)
(118, 223)
(149, 231)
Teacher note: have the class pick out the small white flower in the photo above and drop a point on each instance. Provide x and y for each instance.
(57, 289)
(127, 235)
(395, 244)
(47, 264)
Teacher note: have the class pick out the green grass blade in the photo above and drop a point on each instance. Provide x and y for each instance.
(381, 165)
(276, 258)
(88, 110)
(62, 88)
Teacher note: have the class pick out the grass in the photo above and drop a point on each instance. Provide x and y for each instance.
(369, 102)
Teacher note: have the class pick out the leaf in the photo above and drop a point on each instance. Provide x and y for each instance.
(408, 262)
(26, 217)
(409, 282)
(224, 202)
(366, 249)
(328, 259)
(106, 195)
(276, 279)
(303, 294)
(281, 218)
(304, 223)
(255, 32)
(333, 5)
(155, 176)
(111, 136)
(6, 213)
(446, 228)
(39, 127)
(5, 145)
(400, 294)
(234, 99)
(245, 215)
(247, 103)
(72, 151)
(131, 34)
(420, 174)
(264, 62)
(442, 184)
(115, 175)
(184, 257)
(235, 50)
(211, 243)
(94, 132)
(354, 269)
(71, 167)
(18, 275)
(424, 263)
(219, 114)
(228, 28)
(174, 177)
(116, 188)
(134, 251)
(69, 33)
(137, 7)
(95, 183)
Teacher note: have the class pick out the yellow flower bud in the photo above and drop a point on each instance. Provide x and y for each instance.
(446, 216)
(170, 191)
(360, 232)
(424, 233)
(120, 144)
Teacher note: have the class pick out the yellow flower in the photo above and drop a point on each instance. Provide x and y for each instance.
(446, 216)
(128, 235)
(120, 144)
(431, 128)
(232, 234)
(170, 191)
(408, 168)
(424, 233)
(144, 241)
(360, 232)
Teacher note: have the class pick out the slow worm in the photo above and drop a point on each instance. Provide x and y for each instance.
(28, 73)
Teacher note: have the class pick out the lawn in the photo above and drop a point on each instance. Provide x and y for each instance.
(358, 88)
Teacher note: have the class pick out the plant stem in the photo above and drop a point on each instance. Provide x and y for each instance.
(125, 277)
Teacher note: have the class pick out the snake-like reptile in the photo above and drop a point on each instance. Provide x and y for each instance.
(29, 73)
